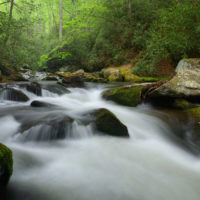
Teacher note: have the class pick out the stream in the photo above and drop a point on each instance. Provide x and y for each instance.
(59, 159)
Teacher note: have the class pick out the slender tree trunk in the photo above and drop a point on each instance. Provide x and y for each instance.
(9, 21)
(74, 2)
(61, 20)
(50, 20)
(129, 9)
(40, 20)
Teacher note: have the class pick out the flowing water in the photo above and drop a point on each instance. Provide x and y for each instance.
(58, 156)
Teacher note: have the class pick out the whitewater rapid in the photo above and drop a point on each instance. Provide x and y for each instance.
(147, 166)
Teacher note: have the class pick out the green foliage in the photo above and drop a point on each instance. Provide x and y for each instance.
(97, 34)
(175, 35)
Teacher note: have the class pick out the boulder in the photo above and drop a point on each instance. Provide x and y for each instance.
(49, 126)
(35, 88)
(56, 88)
(127, 95)
(10, 74)
(41, 104)
(50, 77)
(112, 74)
(194, 133)
(184, 85)
(6, 168)
(194, 112)
(94, 77)
(191, 63)
(12, 94)
(75, 79)
(106, 122)
(182, 104)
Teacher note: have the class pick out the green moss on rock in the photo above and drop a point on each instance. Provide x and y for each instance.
(195, 112)
(6, 166)
(109, 124)
(128, 96)
(182, 104)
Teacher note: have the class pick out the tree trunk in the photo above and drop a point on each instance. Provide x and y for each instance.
(9, 21)
(40, 20)
(129, 9)
(61, 20)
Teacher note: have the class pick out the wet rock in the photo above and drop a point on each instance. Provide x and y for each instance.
(6, 168)
(35, 88)
(41, 104)
(106, 122)
(56, 88)
(182, 104)
(49, 126)
(127, 95)
(12, 94)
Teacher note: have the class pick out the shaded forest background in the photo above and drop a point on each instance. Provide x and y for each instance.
(94, 34)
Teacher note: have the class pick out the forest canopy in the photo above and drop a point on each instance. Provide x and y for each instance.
(93, 34)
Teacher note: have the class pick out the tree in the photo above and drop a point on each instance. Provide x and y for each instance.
(61, 20)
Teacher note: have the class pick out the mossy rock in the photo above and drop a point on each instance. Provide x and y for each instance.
(9, 74)
(6, 167)
(128, 95)
(75, 79)
(183, 104)
(94, 77)
(194, 112)
(50, 77)
(106, 122)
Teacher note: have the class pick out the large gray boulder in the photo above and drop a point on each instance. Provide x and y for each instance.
(191, 63)
(184, 85)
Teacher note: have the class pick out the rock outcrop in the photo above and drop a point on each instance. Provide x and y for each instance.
(184, 85)
(6, 168)
(8, 74)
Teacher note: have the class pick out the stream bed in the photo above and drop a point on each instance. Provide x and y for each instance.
(59, 159)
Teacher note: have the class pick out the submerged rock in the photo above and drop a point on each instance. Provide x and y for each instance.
(106, 122)
(6, 168)
(35, 88)
(12, 94)
(49, 126)
(127, 95)
(41, 104)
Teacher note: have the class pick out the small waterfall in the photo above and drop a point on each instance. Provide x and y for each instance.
(58, 154)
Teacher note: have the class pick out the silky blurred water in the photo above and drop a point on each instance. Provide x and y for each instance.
(147, 166)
